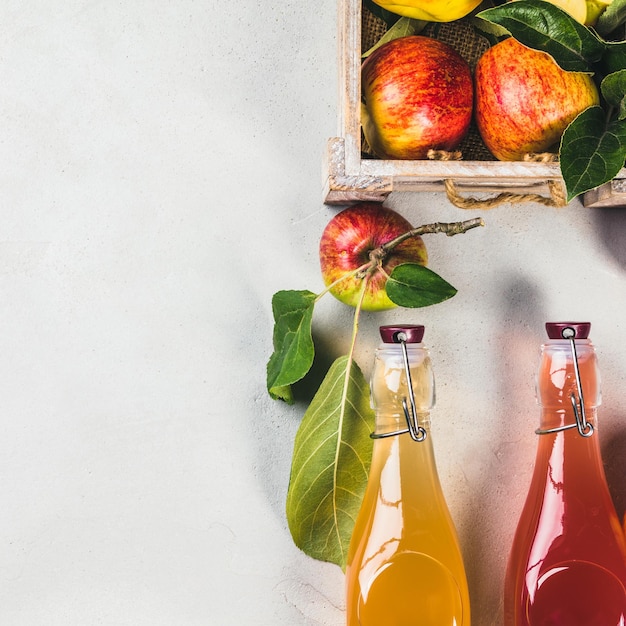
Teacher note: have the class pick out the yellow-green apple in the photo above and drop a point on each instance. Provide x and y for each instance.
(595, 8)
(352, 240)
(584, 11)
(524, 100)
(418, 95)
(576, 8)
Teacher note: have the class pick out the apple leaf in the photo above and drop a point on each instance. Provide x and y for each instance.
(404, 27)
(330, 464)
(293, 344)
(592, 152)
(543, 26)
(613, 89)
(413, 286)
(611, 18)
(614, 58)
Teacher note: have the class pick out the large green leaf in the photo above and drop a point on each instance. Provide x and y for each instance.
(543, 26)
(330, 464)
(412, 285)
(293, 344)
(592, 151)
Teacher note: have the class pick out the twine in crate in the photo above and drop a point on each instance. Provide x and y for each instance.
(462, 36)
(557, 192)
(557, 197)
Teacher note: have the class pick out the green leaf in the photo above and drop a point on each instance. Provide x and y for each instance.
(411, 285)
(293, 343)
(592, 151)
(544, 26)
(613, 89)
(614, 58)
(330, 464)
(404, 27)
(611, 18)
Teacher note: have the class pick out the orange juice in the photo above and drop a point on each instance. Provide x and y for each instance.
(404, 565)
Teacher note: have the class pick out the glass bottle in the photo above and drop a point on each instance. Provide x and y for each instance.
(404, 563)
(567, 565)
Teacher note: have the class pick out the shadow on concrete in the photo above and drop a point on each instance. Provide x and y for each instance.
(510, 447)
(611, 232)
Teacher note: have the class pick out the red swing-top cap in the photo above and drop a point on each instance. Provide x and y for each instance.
(410, 333)
(559, 330)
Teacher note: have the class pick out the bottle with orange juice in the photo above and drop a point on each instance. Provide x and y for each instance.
(404, 563)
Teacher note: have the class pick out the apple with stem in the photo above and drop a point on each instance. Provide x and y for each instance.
(371, 259)
(354, 262)
(418, 96)
(525, 101)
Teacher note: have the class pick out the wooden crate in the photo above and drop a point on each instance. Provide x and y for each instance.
(352, 177)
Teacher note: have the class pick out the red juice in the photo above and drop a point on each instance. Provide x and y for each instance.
(567, 565)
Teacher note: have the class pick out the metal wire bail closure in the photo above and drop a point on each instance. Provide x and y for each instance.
(585, 428)
(418, 433)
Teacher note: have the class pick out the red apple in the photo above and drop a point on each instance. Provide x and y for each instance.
(418, 96)
(346, 244)
(524, 100)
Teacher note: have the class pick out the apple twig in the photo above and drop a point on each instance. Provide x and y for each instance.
(448, 228)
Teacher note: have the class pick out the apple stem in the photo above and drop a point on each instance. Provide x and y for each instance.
(450, 229)
(346, 380)
(357, 313)
(609, 112)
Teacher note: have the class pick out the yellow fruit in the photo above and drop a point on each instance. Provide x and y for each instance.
(595, 8)
(586, 12)
(430, 10)
(576, 8)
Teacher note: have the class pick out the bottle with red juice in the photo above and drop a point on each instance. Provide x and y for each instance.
(567, 564)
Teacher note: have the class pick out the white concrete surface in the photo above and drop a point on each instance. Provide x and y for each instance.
(160, 179)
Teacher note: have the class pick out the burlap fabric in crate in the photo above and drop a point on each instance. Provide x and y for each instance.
(462, 36)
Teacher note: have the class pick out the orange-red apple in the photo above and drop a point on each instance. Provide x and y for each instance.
(524, 100)
(346, 244)
(418, 96)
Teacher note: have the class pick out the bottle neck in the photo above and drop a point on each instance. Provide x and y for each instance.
(565, 386)
(390, 385)
(568, 384)
(400, 454)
